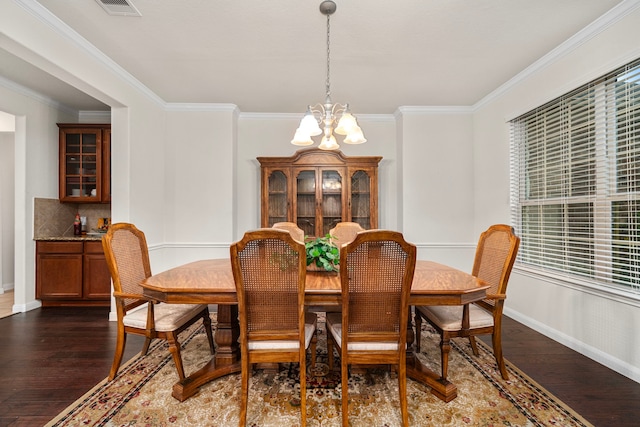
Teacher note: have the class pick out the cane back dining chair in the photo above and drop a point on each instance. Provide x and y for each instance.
(344, 232)
(125, 248)
(296, 232)
(495, 254)
(376, 272)
(269, 269)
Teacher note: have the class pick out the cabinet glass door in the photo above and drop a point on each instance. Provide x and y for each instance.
(331, 199)
(361, 198)
(306, 201)
(278, 198)
(82, 164)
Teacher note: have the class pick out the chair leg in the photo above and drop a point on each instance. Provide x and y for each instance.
(330, 349)
(312, 348)
(174, 348)
(474, 346)
(145, 346)
(117, 356)
(418, 320)
(402, 387)
(245, 390)
(345, 389)
(497, 352)
(445, 347)
(303, 388)
(206, 319)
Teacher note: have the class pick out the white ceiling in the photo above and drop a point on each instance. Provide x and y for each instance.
(270, 56)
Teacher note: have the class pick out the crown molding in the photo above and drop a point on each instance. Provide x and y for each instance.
(421, 110)
(176, 106)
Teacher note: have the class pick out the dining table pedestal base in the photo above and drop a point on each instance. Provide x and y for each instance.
(226, 360)
(441, 388)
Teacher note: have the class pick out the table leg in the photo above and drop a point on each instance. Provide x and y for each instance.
(226, 359)
(441, 388)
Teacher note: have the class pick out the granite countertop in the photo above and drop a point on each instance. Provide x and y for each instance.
(86, 237)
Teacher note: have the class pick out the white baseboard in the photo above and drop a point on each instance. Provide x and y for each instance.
(23, 308)
(620, 366)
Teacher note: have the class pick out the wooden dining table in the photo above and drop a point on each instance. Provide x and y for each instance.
(211, 282)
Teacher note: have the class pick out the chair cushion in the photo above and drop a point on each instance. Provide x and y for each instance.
(168, 317)
(334, 325)
(449, 317)
(310, 324)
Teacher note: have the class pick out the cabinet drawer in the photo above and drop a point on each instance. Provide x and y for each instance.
(59, 247)
(93, 248)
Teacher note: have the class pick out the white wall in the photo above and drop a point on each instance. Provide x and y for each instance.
(7, 204)
(437, 183)
(595, 323)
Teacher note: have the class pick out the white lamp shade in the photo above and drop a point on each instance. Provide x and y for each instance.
(346, 124)
(309, 125)
(329, 143)
(355, 137)
(301, 138)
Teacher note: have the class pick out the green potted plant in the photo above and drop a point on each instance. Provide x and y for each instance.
(322, 254)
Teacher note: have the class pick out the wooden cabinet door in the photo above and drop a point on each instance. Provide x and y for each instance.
(305, 200)
(84, 163)
(80, 165)
(59, 270)
(276, 196)
(96, 276)
(363, 200)
(332, 199)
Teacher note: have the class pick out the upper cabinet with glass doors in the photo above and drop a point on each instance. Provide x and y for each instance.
(317, 189)
(85, 163)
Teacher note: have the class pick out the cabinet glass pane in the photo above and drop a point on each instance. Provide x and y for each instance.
(306, 202)
(81, 164)
(331, 200)
(361, 199)
(277, 197)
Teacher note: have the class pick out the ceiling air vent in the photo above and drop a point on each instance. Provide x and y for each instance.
(119, 7)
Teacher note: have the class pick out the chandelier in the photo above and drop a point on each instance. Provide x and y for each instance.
(328, 118)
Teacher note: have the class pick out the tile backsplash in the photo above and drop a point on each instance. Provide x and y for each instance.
(55, 219)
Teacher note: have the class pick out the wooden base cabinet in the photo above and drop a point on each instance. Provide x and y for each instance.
(72, 273)
(316, 189)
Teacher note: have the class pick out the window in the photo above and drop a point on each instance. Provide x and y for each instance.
(575, 182)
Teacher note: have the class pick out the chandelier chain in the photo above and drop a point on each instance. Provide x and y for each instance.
(328, 56)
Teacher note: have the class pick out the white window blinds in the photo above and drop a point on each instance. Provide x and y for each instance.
(575, 182)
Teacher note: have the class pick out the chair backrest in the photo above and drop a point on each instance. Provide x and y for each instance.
(291, 227)
(496, 252)
(376, 272)
(269, 268)
(344, 232)
(127, 255)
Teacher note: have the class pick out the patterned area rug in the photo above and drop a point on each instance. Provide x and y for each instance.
(141, 394)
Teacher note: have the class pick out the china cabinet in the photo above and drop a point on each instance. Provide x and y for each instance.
(316, 189)
(85, 163)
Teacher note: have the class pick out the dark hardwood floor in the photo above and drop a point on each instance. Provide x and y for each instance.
(50, 357)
